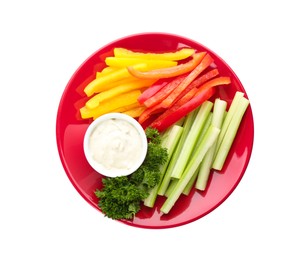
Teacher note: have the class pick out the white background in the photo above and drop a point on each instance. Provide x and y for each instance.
(42, 43)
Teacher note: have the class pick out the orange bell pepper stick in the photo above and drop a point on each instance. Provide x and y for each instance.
(168, 72)
(213, 83)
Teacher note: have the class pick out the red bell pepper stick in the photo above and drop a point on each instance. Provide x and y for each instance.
(207, 76)
(171, 118)
(164, 92)
(146, 114)
(198, 82)
(168, 72)
(206, 61)
(188, 96)
(152, 90)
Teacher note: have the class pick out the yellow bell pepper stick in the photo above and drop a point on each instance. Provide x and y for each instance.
(103, 83)
(120, 89)
(177, 55)
(126, 108)
(110, 105)
(135, 112)
(105, 71)
(124, 62)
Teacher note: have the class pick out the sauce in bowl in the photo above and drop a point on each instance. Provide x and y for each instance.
(115, 145)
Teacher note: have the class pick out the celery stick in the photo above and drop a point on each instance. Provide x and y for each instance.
(203, 132)
(191, 139)
(205, 127)
(169, 141)
(219, 110)
(192, 166)
(230, 134)
(189, 119)
(171, 186)
(238, 95)
(191, 183)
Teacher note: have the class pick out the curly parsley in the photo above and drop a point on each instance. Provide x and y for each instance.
(121, 197)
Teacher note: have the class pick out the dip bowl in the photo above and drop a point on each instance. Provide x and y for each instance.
(115, 144)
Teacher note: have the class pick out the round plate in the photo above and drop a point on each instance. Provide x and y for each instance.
(70, 130)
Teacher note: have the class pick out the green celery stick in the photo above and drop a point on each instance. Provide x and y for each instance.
(203, 132)
(190, 169)
(235, 101)
(230, 134)
(189, 119)
(171, 187)
(219, 110)
(191, 183)
(169, 140)
(191, 139)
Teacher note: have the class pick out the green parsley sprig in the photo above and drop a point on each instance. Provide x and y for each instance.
(121, 197)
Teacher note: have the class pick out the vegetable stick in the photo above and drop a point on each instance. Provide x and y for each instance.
(171, 187)
(235, 101)
(120, 89)
(192, 166)
(213, 83)
(230, 134)
(219, 109)
(191, 183)
(170, 141)
(186, 128)
(168, 72)
(135, 112)
(206, 126)
(105, 71)
(103, 83)
(204, 63)
(191, 139)
(177, 55)
(117, 62)
(108, 106)
(164, 92)
(126, 108)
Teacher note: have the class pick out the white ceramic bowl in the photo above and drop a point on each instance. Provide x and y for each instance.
(115, 144)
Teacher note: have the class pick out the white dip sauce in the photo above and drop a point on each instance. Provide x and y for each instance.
(116, 145)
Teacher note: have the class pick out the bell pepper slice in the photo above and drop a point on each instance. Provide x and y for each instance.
(177, 113)
(214, 82)
(198, 82)
(152, 90)
(110, 105)
(177, 55)
(126, 108)
(103, 83)
(205, 62)
(168, 72)
(188, 96)
(117, 90)
(116, 62)
(105, 71)
(164, 92)
(147, 113)
(135, 112)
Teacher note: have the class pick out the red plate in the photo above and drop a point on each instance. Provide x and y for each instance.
(70, 130)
